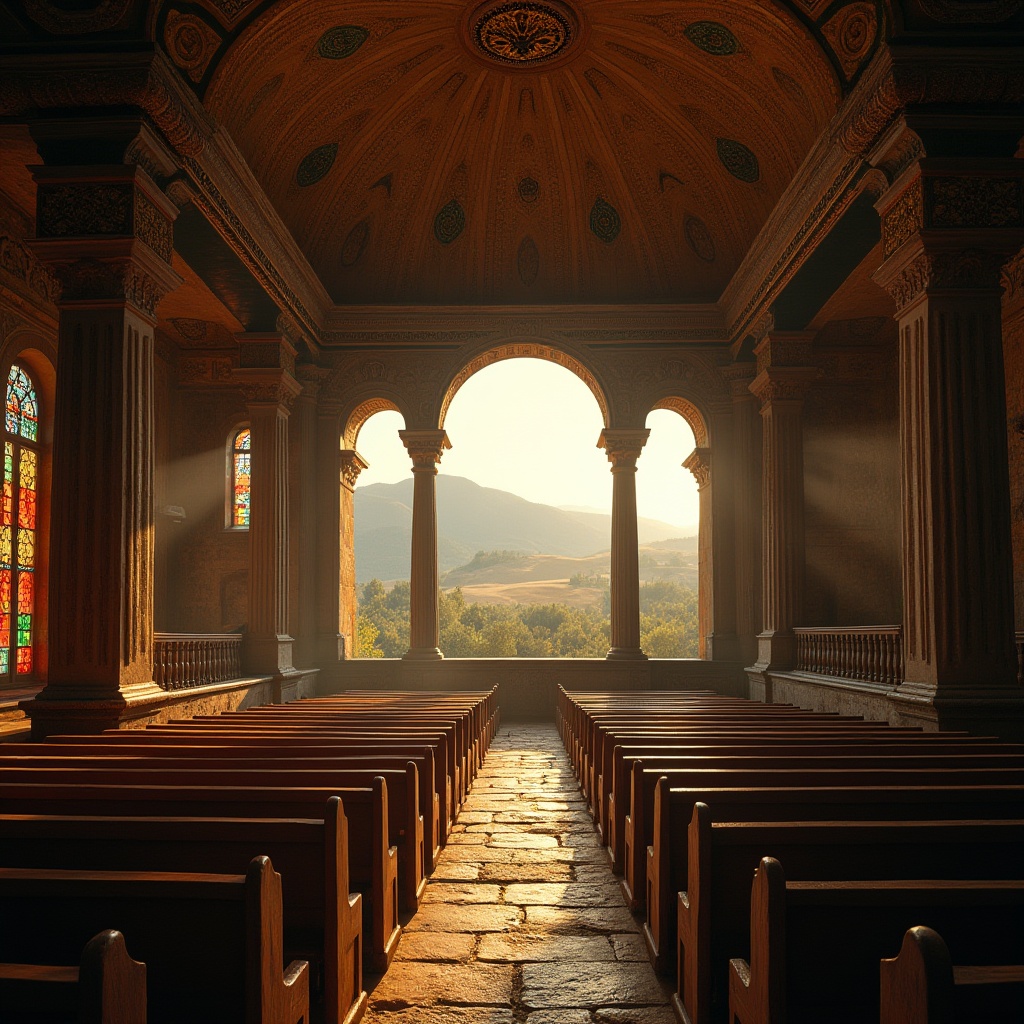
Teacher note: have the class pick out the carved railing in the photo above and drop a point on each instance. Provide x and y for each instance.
(871, 653)
(185, 660)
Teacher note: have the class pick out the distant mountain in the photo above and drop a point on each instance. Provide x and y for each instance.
(472, 518)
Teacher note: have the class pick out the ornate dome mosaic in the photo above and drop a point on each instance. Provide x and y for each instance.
(522, 33)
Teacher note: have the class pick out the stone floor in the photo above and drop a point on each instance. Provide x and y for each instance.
(522, 920)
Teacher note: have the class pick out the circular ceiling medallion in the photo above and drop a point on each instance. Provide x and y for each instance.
(526, 36)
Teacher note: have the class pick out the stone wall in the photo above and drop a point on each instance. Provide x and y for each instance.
(852, 483)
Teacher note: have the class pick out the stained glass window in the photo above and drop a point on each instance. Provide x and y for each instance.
(240, 455)
(18, 511)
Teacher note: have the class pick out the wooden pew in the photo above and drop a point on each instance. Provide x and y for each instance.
(322, 920)
(107, 987)
(373, 867)
(211, 943)
(713, 917)
(404, 822)
(145, 743)
(667, 860)
(614, 782)
(815, 947)
(921, 986)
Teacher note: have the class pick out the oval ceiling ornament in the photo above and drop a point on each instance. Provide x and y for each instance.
(355, 243)
(341, 41)
(522, 33)
(529, 190)
(315, 165)
(449, 222)
(712, 37)
(699, 239)
(738, 160)
(604, 220)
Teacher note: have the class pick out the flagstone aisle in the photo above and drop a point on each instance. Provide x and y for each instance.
(522, 920)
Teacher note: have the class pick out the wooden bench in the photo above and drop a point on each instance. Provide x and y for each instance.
(107, 987)
(373, 868)
(322, 919)
(667, 858)
(815, 947)
(211, 943)
(405, 825)
(921, 986)
(713, 915)
(144, 743)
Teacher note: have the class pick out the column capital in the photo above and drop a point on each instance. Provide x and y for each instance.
(948, 225)
(351, 464)
(698, 462)
(623, 445)
(267, 387)
(783, 385)
(425, 447)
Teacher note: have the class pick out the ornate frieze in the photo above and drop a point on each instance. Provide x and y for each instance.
(978, 12)
(281, 391)
(970, 270)
(205, 370)
(902, 218)
(75, 19)
(120, 280)
(975, 202)
(20, 264)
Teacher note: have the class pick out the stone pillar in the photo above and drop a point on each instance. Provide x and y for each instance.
(304, 463)
(781, 384)
(331, 532)
(352, 464)
(948, 224)
(266, 378)
(698, 462)
(624, 446)
(746, 451)
(425, 448)
(106, 233)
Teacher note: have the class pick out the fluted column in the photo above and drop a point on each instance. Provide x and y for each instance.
(304, 465)
(333, 542)
(425, 448)
(266, 379)
(746, 435)
(947, 226)
(698, 462)
(351, 465)
(623, 446)
(781, 383)
(106, 233)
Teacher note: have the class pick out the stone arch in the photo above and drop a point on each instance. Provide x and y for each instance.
(694, 417)
(525, 350)
(361, 413)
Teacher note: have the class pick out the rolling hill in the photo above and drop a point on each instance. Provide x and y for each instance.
(472, 518)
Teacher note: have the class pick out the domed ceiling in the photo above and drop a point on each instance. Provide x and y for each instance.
(558, 151)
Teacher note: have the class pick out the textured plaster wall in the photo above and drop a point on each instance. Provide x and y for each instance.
(852, 489)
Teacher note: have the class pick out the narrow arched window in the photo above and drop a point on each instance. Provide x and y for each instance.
(239, 473)
(18, 517)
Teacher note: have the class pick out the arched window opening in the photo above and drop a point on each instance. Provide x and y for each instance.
(18, 524)
(239, 479)
(381, 541)
(668, 517)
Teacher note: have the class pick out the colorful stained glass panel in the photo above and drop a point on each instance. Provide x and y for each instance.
(240, 469)
(24, 661)
(22, 411)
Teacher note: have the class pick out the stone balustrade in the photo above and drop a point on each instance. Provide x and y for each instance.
(870, 653)
(183, 661)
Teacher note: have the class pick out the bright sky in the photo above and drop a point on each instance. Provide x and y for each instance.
(530, 427)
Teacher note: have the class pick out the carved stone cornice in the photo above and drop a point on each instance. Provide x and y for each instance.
(265, 350)
(351, 464)
(144, 81)
(425, 447)
(267, 386)
(623, 445)
(780, 349)
(739, 376)
(698, 462)
(20, 264)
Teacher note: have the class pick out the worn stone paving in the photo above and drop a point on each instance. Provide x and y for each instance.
(522, 919)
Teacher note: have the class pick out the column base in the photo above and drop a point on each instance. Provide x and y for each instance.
(626, 654)
(423, 654)
(776, 651)
(267, 655)
(72, 709)
(295, 684)
(988, 713)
